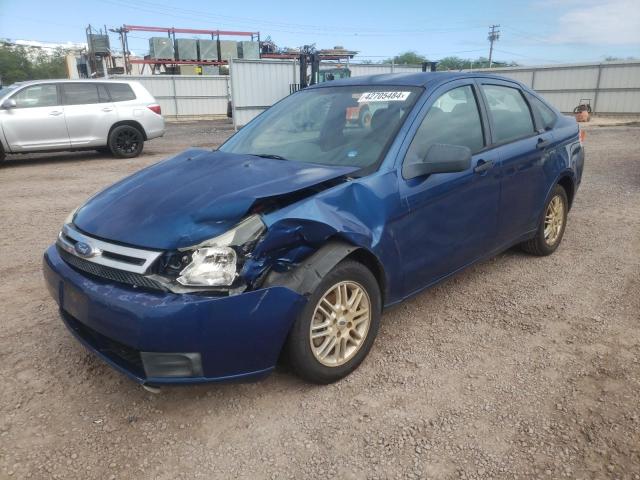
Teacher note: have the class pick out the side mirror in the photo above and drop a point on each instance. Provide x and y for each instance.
(9, 103)
(440, 158)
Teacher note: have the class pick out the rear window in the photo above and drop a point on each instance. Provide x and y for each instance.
(120, 92)
(80, 93)
(546, 115)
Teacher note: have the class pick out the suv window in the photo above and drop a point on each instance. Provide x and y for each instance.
(546, 115)
(80, 93)
(45, 95)
(509, 112)
(120, 92)
(453, 119)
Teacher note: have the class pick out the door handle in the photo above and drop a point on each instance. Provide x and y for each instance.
(483, 166)
(55, 113)
(542, 143)
(107, 109)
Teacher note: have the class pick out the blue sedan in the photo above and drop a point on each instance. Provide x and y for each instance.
(292, 237)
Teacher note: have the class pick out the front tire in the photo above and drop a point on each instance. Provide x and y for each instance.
(126, 141)
(552, 225)
(338, 326)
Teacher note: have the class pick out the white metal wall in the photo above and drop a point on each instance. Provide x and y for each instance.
(184, 96)
(613, 87)
(358, 70)
(258, 84)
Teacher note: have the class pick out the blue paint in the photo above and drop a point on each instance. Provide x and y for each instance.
(420, 230)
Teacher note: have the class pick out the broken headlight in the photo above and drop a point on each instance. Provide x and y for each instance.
(214, 263)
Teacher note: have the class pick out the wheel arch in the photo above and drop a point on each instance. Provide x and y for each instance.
(307, 275)
(131, 123)
(567, 183)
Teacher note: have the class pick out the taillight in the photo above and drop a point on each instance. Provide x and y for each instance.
(155, 108)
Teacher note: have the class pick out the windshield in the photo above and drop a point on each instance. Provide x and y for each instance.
(346, 126)
(7, 89)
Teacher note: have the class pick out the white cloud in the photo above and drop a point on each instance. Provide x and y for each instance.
(611, 22)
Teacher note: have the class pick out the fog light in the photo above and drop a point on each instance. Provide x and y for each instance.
(171, 364)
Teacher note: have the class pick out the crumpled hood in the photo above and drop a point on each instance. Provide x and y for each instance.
(192, 197)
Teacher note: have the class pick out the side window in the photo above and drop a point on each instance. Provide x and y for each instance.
(37, 96)
(80, 93)
(546, 115)
(509, 112)
(453, 119)
(103, 94)
(120, 92)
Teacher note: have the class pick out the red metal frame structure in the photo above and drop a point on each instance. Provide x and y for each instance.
(171, 32)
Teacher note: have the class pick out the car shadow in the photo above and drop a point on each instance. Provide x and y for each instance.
(24, 160)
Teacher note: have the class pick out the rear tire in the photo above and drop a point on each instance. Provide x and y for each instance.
(552, 225)
(365, 118)
(126, 141)
(338, 326)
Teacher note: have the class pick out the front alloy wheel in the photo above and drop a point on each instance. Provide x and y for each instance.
(340, 323)
(337, 327)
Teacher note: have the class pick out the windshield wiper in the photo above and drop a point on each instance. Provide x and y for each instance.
(268, 155)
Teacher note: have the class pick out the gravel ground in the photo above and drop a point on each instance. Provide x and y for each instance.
(519, 367)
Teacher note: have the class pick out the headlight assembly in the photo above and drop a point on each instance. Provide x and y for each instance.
(214, 263)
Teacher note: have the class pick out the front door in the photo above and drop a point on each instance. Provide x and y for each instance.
(452, 217)
(37, 121)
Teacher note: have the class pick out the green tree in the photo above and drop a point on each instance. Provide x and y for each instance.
(457, 63)
(407, 58)
(18, 63)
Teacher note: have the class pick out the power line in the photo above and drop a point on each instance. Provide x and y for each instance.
(494, 35)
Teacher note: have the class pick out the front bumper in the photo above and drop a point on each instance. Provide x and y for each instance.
(238, 337)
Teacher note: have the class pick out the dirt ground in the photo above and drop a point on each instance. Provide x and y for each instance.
(519, 367)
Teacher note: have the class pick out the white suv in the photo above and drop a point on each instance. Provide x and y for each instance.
(105, 115)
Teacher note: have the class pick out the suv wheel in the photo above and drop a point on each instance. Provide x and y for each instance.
(337, 327)
(552, 225)
(126, 141)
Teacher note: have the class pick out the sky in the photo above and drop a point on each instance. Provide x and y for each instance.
(532, 32)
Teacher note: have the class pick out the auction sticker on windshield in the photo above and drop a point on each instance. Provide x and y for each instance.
(384, 97)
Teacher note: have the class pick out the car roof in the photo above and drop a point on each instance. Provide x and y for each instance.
(66, 80)
(421, 79)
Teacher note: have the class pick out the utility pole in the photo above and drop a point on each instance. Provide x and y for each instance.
(122, 32)
(494, 35)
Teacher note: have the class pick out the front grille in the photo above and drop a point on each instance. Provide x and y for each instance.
(108, 273)
(120, 353)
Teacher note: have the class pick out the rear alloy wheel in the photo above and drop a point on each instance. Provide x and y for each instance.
(126, 141)
(552, 225)
(338, 326)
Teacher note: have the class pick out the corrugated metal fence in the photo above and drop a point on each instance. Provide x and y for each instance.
(258, 84)
(613, 87)
(254, 85)
(188, 96)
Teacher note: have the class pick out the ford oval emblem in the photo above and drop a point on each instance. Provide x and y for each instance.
(83, 249)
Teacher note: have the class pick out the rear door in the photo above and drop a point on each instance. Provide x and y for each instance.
(89, 113)
(522, 151)
(37, 122)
